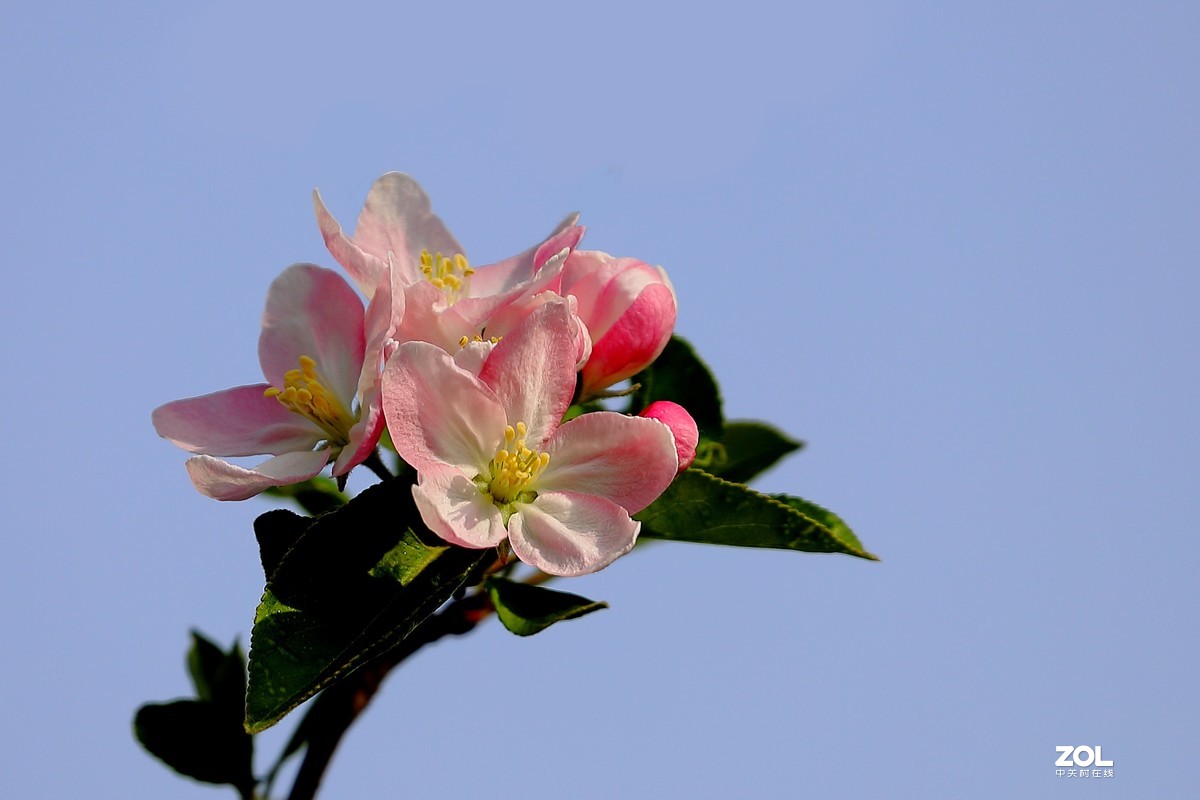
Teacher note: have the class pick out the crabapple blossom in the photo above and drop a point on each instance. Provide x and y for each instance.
(445, 297)
(493, 461)
(321, 357)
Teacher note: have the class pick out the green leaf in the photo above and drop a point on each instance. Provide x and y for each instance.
(526, 610)
(745, 450)
(199, 739)
(699, 507)
(219, 677)
(356, 582)
(204, 738)
(822, 515)
(277, 532)
(204, 661)
(315, 495)
(680, 376)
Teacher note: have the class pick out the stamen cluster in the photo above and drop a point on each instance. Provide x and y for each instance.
(514, 466)
(450, 274)
(304, 393)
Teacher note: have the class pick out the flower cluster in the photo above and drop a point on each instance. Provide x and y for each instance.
(472, 370)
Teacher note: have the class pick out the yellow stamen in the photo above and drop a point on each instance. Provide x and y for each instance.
(463, 341)
(304, 393)
(451, 274)
(513, 468)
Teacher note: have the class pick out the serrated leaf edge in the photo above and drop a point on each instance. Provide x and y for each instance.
(850, 550)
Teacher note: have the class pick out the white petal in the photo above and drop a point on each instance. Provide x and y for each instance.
(454, 508)
(224, 481)
(568, 534)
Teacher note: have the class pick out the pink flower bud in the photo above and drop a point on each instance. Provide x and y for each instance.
(682, 426)
(629, 309)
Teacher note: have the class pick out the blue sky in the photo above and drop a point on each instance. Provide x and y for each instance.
(951, 247)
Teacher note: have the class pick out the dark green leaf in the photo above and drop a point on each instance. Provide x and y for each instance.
(526, 610)
(199, 739)
(219, 677)
(229, 684)
(699, 507)
(276, 532)
(315, 495)
(680, 376)
(355, 583)
(204, 661)
(822, 515)
(746, 449)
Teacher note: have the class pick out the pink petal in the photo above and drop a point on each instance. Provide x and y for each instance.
(364, 435)
(398, 218)
(224, 481)
(363, 268)
(452, 506)
(499, 314)
(607, 286)
(585, 275)
(235, 422)
(379, 325)
(493, 314)
(568, 534)
(682, 426)
(475, 314)
(566, 237)
(516, 270)
(628, 460)
(532, 371)
(425, 318)
(437, 413)
(636, 338)
(312, 311)
(512, 316)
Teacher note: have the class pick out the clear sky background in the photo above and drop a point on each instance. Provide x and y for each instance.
(953, 249)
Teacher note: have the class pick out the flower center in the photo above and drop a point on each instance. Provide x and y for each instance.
(466, 340)
(513, 468)
(450, 274)
(304, 393)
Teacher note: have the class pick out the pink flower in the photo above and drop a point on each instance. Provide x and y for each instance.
(445, 298)
(629, 309)
(682, 426)
(493, 461)
(321, 402)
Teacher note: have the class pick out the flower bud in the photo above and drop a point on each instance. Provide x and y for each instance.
(682, 426)
(629, 309)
